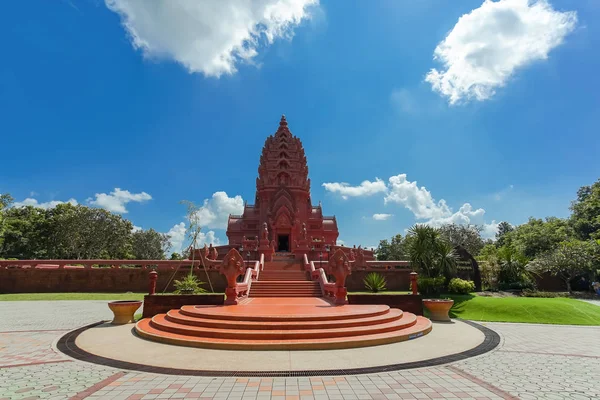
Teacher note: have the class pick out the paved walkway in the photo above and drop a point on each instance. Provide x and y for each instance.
(533, 361)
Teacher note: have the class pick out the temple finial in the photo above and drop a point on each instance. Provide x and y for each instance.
(283, 121)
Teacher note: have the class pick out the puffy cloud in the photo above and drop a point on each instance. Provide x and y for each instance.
(210, 37)
(416, 199)
(215, 211)
(117, 199)
(366, 188)
(49, 204)
(178, 239)
(489, 230)
(487, 45)
(136, 229)
(420, 202)
(382, 217)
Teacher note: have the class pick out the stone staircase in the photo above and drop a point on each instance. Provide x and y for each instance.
(283, 323)
(284, 277)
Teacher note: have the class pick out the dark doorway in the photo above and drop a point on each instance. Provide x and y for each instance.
(284, 243)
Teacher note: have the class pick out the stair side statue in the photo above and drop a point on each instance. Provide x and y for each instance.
(232, 267)
(340, 267)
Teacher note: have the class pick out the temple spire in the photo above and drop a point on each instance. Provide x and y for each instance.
(283, 122)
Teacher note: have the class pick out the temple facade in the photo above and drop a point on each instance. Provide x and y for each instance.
(283, 215)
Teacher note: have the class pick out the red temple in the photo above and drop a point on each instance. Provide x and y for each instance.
(282, 204)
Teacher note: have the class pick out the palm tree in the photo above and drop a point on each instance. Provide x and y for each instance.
(429, 252)
(447, 258)
(421, 241)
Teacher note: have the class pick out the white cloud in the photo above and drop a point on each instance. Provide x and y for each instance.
(178, 239)
(136, 229)
(416, 199)
(489, 230)
(215, 211)
(49, 204)
(117, 199)
(382, 217)
(420, 202)
(487, 45)
(366, 188)
(211, 37)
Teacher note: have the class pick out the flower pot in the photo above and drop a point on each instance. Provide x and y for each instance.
(123, 311)
(438, 308)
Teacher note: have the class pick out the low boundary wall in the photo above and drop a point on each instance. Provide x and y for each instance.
(91, 280)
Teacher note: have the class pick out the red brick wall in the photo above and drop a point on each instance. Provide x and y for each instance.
(32, 280)
(397, 280)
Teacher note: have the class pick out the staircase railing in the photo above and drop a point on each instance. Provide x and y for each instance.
(318, 274)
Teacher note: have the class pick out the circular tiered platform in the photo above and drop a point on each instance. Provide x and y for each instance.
(279, 324)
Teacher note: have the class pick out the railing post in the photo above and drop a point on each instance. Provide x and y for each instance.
(153, 275)
(413, 283)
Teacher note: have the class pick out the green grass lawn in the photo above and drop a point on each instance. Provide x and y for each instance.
(525, 309)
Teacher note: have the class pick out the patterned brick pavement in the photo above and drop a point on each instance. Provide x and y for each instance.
(533, 361)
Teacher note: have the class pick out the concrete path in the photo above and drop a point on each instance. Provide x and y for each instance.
(594, 302)
(533, 361)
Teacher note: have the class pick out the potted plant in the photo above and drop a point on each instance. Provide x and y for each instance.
(123, 311)
(438, 308)
(189, 285)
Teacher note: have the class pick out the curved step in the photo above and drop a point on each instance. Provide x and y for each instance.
(421, 327)
(161, 323)
(176, 317)
(270, 313)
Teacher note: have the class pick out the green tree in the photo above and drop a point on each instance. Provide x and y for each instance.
(429, 253)
(80, 232)
(25, 233)
(149, 245)
(467, 236)
(538, 236)
(585, 217)
(383, 251)
(489, 266)
(5, 202)
(513, 266)
(568, 260)
(392, 250)
(503, 229)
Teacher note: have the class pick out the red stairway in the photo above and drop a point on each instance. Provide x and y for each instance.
(284, 277)
(283, 324)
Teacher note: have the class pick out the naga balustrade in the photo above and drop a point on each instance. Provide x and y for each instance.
(338, 265)
(232, 266)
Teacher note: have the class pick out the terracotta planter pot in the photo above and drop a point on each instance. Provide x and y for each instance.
(438, 308)
(123, 311)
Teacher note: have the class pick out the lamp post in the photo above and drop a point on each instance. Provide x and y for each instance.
(248, 258)
(321, 260)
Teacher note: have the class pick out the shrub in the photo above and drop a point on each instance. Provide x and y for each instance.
(522, 285)
(189, 285)
(535, 293)
(460, 286)
(431, 286)
(374, 282)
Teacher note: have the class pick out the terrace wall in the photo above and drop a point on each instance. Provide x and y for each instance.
(35, 280)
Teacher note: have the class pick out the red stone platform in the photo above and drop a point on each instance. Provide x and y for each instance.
(283, 324)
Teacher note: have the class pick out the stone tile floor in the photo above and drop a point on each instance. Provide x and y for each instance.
(533, 361)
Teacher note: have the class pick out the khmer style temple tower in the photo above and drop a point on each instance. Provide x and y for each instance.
(282, 204)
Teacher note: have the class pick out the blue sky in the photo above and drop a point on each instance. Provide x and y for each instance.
(170, 100)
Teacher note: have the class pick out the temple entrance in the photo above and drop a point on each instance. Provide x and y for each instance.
(283, 243)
